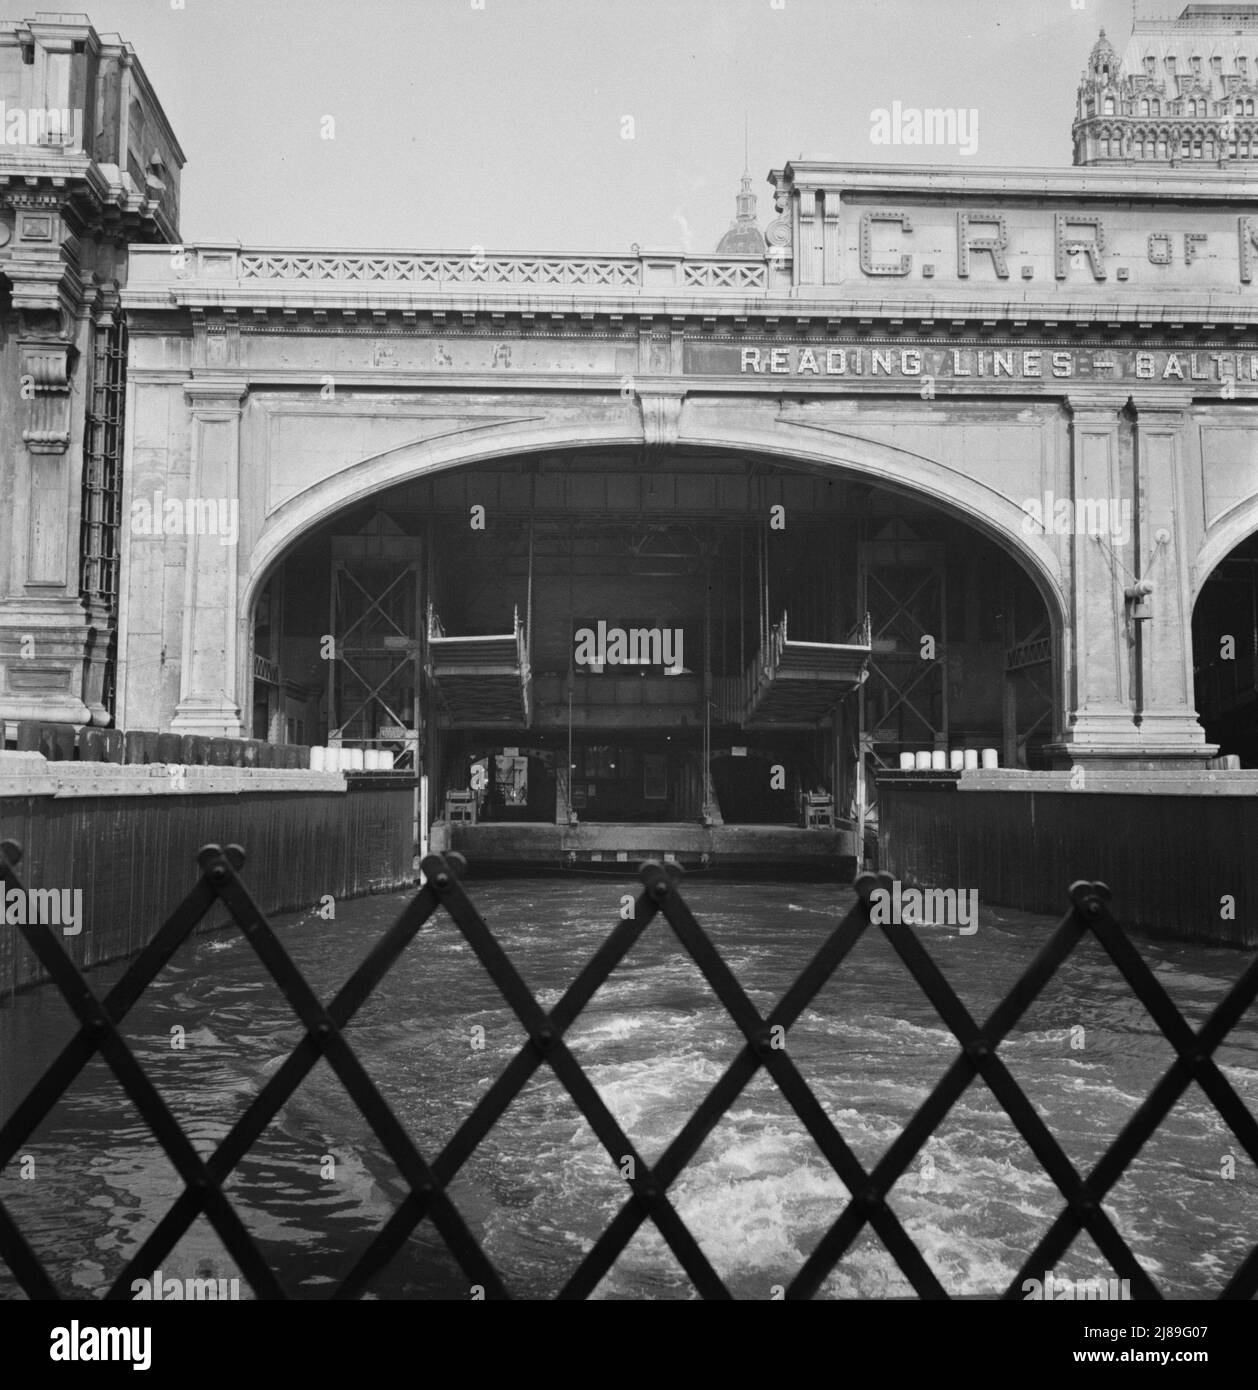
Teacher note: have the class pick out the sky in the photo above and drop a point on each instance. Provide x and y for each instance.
(575, 125)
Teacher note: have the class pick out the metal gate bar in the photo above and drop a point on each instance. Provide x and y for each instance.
(647, 1186)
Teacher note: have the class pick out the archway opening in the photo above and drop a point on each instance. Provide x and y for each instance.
(467, 622)
(1225, 654)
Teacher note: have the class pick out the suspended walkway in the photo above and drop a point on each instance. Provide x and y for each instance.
(481, 681)
(793, 683)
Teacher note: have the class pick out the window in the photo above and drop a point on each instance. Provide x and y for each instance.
(1109, 110)
(1150, 65)
(1216, 65)
(1242, 64)
(1157, 107)
(1144, 107)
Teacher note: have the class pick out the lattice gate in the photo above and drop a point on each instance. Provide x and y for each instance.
(646, 1190)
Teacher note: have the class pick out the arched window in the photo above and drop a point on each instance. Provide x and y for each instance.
(1157, 107)
(1144, 106)
(1249, 107)
(1109, 106)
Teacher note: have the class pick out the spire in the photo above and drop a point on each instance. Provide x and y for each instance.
(745, 203)
(744, 236)
(1104, 59)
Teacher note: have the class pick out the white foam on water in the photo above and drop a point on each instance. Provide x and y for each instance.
(651, 1099)
(1104, 1089)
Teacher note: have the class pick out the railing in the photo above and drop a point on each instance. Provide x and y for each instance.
(626, 273)
(1035, 651)
(646, 1195)
(734, 697)
(264, 669)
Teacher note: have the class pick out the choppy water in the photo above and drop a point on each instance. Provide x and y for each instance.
(758, 1196)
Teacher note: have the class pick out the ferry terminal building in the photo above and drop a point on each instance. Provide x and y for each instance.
(942, 459)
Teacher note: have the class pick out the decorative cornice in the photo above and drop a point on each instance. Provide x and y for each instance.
(1148, 404)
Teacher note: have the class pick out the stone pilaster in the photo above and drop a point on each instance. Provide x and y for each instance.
(1169, 727)
(208, 671)
(44, 631)
(1100, 721)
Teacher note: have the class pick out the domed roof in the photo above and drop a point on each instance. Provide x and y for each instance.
(744, 237)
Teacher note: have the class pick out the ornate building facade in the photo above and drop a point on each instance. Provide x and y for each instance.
(1183, 92)
(976, 441)
(88, 167)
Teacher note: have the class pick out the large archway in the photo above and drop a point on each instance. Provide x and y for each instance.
(1225, 653)
(721, 548)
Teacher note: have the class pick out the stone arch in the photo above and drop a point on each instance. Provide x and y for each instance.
(949, 490)
(1220, 540)
(1223, 607)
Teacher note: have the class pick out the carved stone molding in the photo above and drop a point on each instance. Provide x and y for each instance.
(661, 422)
(45, 381)
(778, 232)
(208, 397)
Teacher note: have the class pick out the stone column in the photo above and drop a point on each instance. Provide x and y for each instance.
(1100, 723)
(208, 675)
(1169, 727)
(43, 627)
